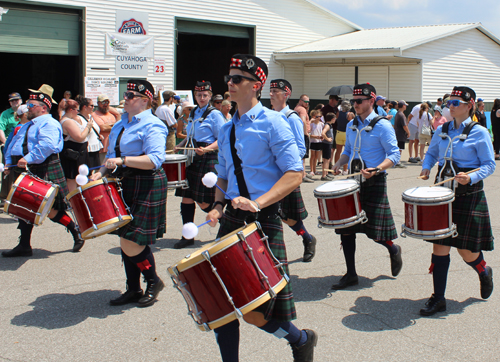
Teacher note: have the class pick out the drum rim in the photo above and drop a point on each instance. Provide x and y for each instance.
(125, 219)
(345, 191)
(175, 158)
(38, 219)
(264, 297)
(89, 185)
(429, 200)
(431, 235)
(190, 261)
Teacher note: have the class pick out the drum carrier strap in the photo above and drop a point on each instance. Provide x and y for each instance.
(450, 168)
(15, 159)
(290, 112)
(128, 171)
(191, 142)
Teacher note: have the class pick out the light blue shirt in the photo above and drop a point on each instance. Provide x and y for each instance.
(45, 137)
(208, 130)
(381, 111)
(377, 145)
(145, 134)
(266, 146)
(392, 113)
(297, 129)
(476, 151)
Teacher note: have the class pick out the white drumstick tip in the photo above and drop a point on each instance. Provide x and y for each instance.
(209, 180)
(83, 170)
(81, 179)
(189, 230)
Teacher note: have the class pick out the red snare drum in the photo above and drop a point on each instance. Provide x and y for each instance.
(428, 213)
(339, 204)
(175, 169)
(31, 198)
(228, 278)
(99, 208)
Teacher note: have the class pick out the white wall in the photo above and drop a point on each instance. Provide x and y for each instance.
(469, 58)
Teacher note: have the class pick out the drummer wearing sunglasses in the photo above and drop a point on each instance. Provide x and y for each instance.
(378, 151)
(263, 144)
(470, 209)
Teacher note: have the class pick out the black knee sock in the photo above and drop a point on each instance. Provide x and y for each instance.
(187, 213)
(286, 330)
(132, 272)
(440, 266)
(349, 248)
(146, 263)
(389, 245)
(228, 339)
(479, 265)
(300, 229)
(25, 239)
(63, 218)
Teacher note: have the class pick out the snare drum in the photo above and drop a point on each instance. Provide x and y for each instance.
(229, 278)
(428, 213)
(175, 169)
(339, 204)
(98, 207)
(31, 198)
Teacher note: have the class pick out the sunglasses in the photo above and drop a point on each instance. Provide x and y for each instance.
(237, 78)
(32, 105)
(455, 103)
(307, 102)
(358, 100)
(218, 102)
(130, 95)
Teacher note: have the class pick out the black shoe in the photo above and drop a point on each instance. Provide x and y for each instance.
(309, 250)
(346, 281)
(79, 242)
(305, 353)
(433, 305)
(396, 262)
(151, 293)
(130, 296)
(486, 283)
(183, 243)
(19, 251)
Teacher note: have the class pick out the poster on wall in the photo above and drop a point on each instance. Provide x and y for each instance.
(186, 95)
(103, 85)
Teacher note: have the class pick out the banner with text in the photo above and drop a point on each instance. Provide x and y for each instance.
(129, 44)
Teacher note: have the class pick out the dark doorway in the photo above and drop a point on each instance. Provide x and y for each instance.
(206, 57)
(32, 70)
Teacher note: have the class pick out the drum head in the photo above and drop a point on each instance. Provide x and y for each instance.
(337, 187)
(175, 158)
(428, 194)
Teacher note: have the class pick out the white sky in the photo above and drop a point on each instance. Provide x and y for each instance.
(392, 13)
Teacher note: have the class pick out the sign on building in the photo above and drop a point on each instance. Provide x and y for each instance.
(103, 85)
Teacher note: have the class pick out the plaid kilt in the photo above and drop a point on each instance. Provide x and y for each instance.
(470, 214)
(53, 172)
(194, 173)
(147, 198)
(374, 201)
(284, 306)
(293, 206)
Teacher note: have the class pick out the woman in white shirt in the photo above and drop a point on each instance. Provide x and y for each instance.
(95, 138)
(424, 121)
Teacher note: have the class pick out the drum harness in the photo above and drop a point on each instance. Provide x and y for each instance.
(357, 164)
(450, 168)
(191, 142)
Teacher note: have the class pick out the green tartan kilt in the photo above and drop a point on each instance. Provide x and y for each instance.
(194, 173)
(471, 215)
(283, 309)
(293, 206)
(147, 198)
(374, 201)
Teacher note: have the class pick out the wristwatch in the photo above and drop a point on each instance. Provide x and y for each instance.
(123, 160)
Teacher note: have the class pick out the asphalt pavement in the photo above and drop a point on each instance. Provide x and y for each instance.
(54, 305)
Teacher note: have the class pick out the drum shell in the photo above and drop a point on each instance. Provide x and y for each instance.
(97, 198)
(175, 169)
(39, 198)
(231, 259)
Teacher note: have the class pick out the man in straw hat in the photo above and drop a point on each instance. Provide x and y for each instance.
(38, 144)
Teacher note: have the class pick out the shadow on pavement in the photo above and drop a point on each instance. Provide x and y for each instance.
(311, 289)
(55, 311)
(382, 315)
(7, 264)
(8, 220)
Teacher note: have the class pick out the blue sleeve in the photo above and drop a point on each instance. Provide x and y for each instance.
(217, 123)
(298, 131)
(485, 154)
(432, 154)
(49, 140)
(283, 145)
(389, 142)
(348, 147)
(154, 143)
(221, 166)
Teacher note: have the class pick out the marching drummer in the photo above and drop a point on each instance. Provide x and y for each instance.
(259, 162)
(137, 150)
(372, 152)
(202, 134)
(292, 206)
(470, 210)
(37, 145)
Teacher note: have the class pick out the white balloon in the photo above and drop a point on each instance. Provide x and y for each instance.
(83, 170)
(189, 230)
(209, 180)
(2, 167)
(81, 180)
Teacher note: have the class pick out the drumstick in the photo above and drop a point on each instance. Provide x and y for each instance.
(192, 149)
(450, 179)
(169, 151)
